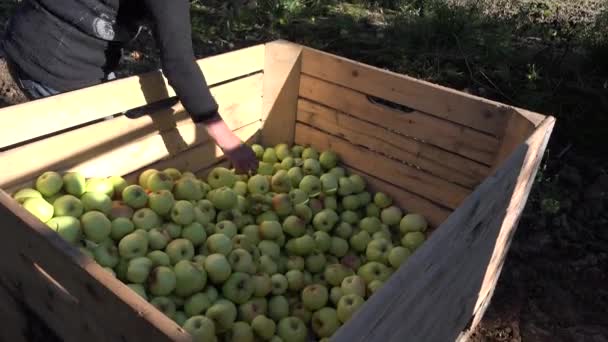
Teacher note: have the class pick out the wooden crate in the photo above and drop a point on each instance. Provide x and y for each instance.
(465, 163)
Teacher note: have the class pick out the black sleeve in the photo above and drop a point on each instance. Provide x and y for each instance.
(174, 38)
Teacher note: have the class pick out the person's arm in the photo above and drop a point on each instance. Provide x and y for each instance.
(174, 38)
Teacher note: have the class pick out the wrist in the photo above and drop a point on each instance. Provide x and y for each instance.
(223, 135)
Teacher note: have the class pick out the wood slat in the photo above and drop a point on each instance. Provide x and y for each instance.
(425, 185)
(71, 109)
(435, 131)
(517, 130)
(240, 103)
(441, 163)
(281, 86)
(471, 111)
(119, 314)
(446, 282)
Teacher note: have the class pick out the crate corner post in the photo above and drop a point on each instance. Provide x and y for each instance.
(282, 67)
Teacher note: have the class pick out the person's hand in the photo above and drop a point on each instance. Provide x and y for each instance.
(243, 159)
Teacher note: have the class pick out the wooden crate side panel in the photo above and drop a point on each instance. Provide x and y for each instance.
(125, 144)
(439, 162)
(78, 107)
(102, 308)
(281, 87)
(456, 106)
(435, 295)
(425, 185)
(384, 172)
(517, 130)
(425, 128)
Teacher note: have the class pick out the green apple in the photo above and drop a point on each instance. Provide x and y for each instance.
(278, 307)
(49, 183)
(139, 289)
(173, 229)
(221, 177)
(182, 212)
(279, 284)
(67, 227)
(161, 281)
(172, 172)
(315, 262)
(364, 198)
(118, 183)
(325, 322)
(295, 280)
(280, 182)
(270, 155)
(351, 202)
(345, 186)
(241, 261)
(223, 313)
(413, 240)
(219, 243)
(263, 327)
(297, 309)
(267, 216)
(360, 240)
(292, 329)
(325, 220)
(187, 189)
(96, 201)
(353, 284)
(348, 306)
(370, 224)
(311, 167)
(258, 184)
(252, 232)
(358, 183)
(238, 288)
(179, 249)
(146, 219)
(159, 258)
(217, 267)
(294, 226)
(201, 328)
(227, 228)
(338, 171)
(335, 274)
(106, 255)
(310, 152)
(22, 194)
(224, 198)
(265, 169)
(74, 183)
(335, 294)
(96, 226)
(328, 159)
(180, 318)
(190, 278)
(253, 308)
(143, 177)
(351, 260)
(378, 250)
(382, 200)
(413, 223)
(339, 247)
(311, 185)
(373, 270)
(139, 269)
(330, 202)
(164, 305)
(398, 255)
(133, 245)
(295, 262)
(374, 286)
(195, 232)
(314, 297)
(281, 204)
(270, 230)
(295, 175)
(270, 248)
(344, 230)
(100, 184)
(188, 174)
(242, 241)
(120, 209)
(161, 202)
(282, 151)
(158, 239)
(262, 284)
(241, 332)
(391, 215)
(135, 196)
(302, 246)
(258, 150)
(196, 304)
(322, 241)
(40, 208)
(298, 197)
(372, 210)
(159, 181)
(287, 163)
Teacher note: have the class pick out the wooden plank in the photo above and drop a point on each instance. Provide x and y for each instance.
(456, 106)
(441, 163)
(517, 130)
(73, 108)
(406, 200)
(441, 133)
(200, 156)
(240, 105)
(281, 87)
(434, 295)
(421, 183)
(120, 314)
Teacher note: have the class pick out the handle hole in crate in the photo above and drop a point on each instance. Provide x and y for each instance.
(393, 105)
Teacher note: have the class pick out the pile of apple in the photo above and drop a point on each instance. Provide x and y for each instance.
(290, 252)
